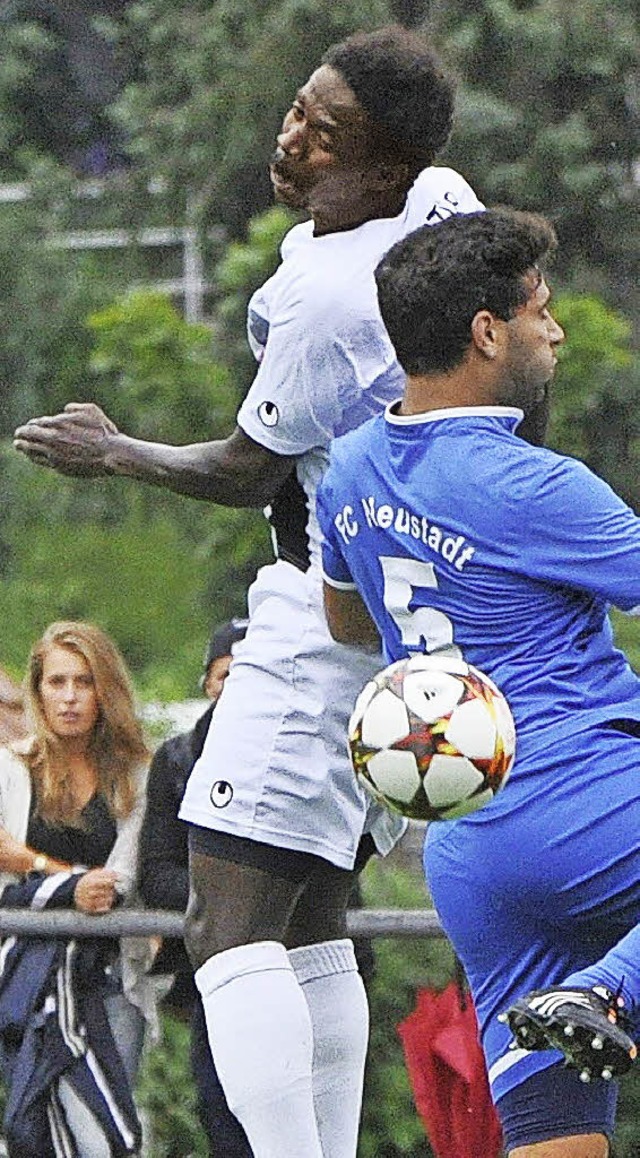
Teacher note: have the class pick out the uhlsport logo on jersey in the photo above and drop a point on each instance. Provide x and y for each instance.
(268, 413)
(221, 794)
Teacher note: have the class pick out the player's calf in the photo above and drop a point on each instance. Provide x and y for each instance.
(588, 1026)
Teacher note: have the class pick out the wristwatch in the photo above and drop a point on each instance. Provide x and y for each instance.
(40, 863)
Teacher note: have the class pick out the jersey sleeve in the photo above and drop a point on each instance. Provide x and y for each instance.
(439, 193)
(469, 202)
(576, 531)
(318, 377)
(334, 568)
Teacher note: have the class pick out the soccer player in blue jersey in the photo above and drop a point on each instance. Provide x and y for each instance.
(444, 530)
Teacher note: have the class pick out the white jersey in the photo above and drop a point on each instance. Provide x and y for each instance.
(275, 766)
(326, 361)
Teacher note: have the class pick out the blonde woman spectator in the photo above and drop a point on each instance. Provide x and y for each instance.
(71, 806)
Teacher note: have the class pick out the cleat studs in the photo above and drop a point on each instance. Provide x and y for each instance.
(575, 1025)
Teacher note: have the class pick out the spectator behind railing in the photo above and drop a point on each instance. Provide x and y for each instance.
(71, 804)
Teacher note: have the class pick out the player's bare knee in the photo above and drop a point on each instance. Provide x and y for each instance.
(204, 936)
(232, 904)
(199, 938)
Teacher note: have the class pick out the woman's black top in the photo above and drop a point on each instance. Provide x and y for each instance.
(88, 845)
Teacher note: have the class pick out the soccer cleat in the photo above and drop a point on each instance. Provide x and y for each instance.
(586, 1025)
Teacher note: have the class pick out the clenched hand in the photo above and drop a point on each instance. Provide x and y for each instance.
(95, 891)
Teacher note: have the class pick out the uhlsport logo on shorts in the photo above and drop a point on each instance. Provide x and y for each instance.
(268, 413)
(221, 794)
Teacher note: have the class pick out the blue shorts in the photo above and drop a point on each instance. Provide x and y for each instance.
(554, 1103)
(540, 884)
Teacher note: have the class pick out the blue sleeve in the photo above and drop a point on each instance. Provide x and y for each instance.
(334, 567)
(576, 531)
(39, 891)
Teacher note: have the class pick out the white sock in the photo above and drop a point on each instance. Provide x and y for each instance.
(262, 1043)
(329, 977)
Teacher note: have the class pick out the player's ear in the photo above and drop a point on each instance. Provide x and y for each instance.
(485, 333)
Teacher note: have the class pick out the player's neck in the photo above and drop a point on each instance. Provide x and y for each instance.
(425, 392)
(353, 207)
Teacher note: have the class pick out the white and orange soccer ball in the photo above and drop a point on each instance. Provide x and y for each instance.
(432, 737)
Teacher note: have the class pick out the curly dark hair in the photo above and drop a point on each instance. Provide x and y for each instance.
(400, 82)
(432, 284)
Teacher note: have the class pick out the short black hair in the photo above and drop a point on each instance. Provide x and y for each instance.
(222, 640)
(432, 284)
(400, 82)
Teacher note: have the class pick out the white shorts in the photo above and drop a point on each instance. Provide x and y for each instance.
(275, 766)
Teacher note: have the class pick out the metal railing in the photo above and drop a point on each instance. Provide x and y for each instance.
(192, 286)
(150, 922)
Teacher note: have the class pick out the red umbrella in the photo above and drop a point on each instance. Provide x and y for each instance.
(448, 1076)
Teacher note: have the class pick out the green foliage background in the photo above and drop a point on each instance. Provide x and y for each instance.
(189, 101)
(197, 90)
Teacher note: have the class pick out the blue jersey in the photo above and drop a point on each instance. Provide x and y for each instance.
(458, 533)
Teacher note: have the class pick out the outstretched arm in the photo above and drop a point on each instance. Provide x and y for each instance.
(83, 442)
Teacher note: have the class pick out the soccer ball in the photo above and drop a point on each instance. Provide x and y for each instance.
(432, 738)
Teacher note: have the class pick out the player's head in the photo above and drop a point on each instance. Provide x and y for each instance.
(378, 109)
(217, 658)
(471, 286)
(400, 83)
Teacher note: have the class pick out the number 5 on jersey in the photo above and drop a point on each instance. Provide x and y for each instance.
(424, 629)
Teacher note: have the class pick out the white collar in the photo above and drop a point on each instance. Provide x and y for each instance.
(452, 412)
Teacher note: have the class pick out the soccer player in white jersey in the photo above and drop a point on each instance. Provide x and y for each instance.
(540, 890)
(275, 816)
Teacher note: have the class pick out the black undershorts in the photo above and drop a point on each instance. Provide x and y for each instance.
(289, 863)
